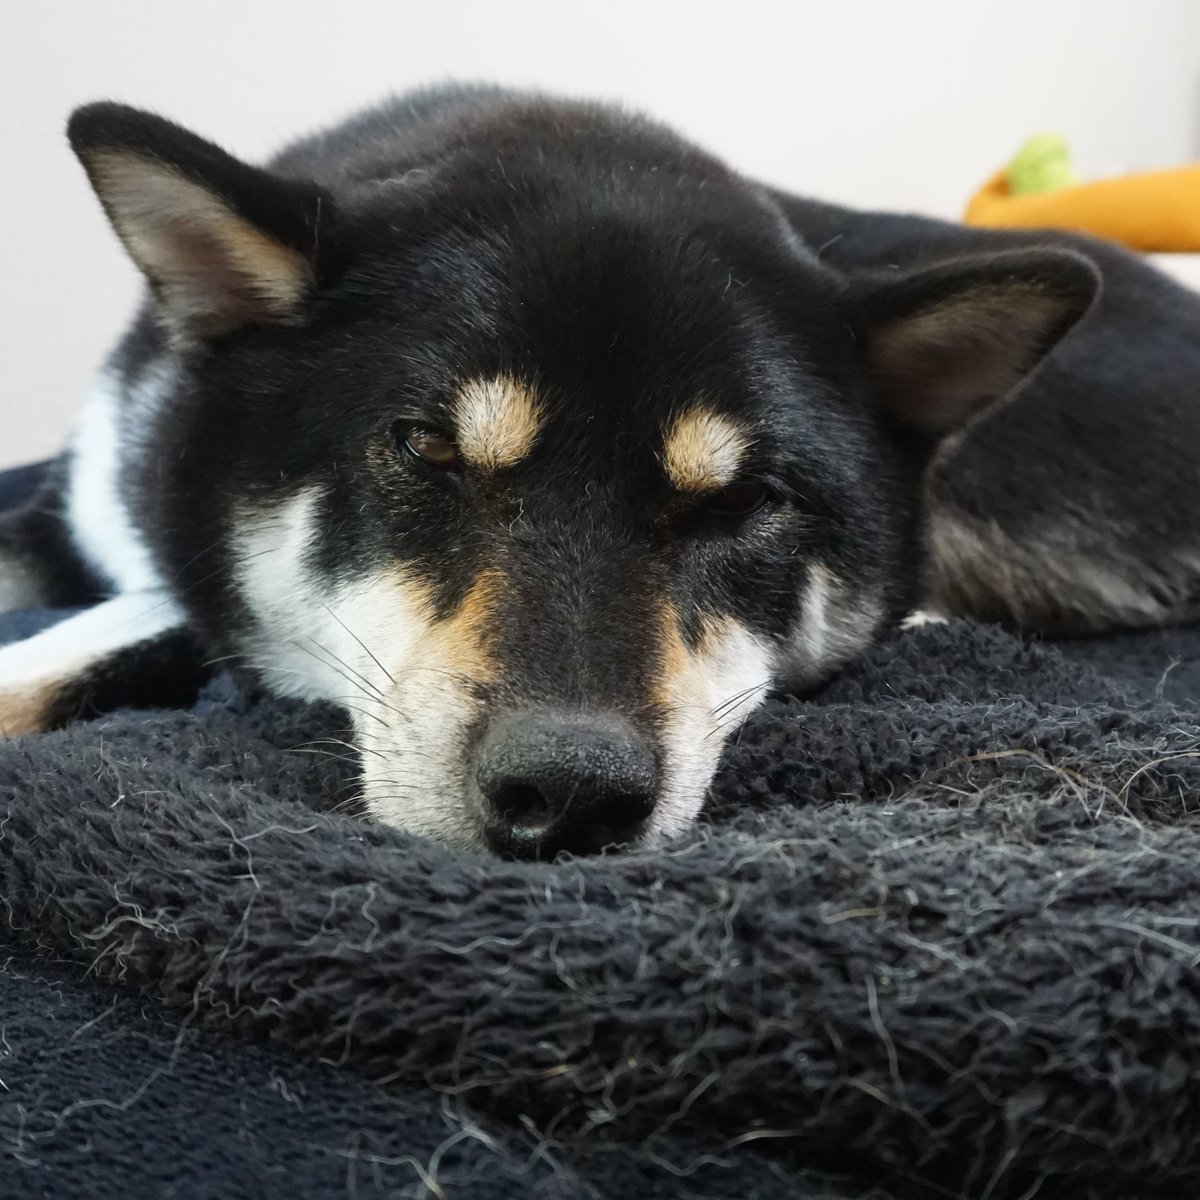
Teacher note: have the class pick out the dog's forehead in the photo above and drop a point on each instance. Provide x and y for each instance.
(588, 344)
(616, 367)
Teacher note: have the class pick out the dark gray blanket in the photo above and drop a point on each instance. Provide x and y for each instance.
(938, 938)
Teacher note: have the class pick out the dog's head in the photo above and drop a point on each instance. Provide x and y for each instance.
(548, 454)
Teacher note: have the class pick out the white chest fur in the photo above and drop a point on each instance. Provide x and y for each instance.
(114, 413)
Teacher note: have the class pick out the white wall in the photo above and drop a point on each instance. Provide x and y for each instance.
(894, 103)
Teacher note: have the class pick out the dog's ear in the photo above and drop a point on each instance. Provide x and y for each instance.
(944, 343)
(223, 244)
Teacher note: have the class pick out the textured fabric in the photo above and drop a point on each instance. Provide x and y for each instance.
(938, 937)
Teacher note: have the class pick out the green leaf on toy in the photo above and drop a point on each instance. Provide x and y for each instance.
(1043, 164)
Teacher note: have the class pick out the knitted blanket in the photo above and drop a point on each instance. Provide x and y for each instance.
(936, 937)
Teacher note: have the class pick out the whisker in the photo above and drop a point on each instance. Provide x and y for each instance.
(724, 712)
(327, 755)
(361, 711)
(457, 675)
(341, 701)
(354, 750)
(732, 702)
(266, 668)
(360, 749)
(770, 682)
(363, 644)
(336, 664)
(342, 805)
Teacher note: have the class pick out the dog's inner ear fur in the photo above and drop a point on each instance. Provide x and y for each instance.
(944, 345)
(211, 269)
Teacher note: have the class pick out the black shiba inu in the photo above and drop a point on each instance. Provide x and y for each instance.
(548, 445)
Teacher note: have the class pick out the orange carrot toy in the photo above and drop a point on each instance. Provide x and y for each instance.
(1153, 211)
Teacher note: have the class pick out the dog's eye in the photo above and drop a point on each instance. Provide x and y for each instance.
(429, 445)
(738, 499)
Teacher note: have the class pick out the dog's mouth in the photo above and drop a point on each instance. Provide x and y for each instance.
(543, 834)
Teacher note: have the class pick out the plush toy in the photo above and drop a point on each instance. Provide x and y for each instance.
(1150, 211)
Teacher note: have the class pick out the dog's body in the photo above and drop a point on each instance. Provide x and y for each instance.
(548, 446)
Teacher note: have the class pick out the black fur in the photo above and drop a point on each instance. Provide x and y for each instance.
(1104, 441)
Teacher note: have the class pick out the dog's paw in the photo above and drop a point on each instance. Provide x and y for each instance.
(25, 709)
(920, 617)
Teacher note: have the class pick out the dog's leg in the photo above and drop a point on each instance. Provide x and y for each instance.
(1058, 575)
(22, 577)
(19, 587)
(39, 563)
(133, 649)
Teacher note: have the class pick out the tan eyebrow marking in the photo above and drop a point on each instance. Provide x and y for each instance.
(496, 421)
(704, 450)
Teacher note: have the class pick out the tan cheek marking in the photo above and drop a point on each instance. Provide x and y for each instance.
(463, 638)
(496, 421)
(673, 661)
(26, 711)
(458, 643)
(686, 677)
(704, 450)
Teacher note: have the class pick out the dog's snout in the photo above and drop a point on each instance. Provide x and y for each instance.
(552, 781)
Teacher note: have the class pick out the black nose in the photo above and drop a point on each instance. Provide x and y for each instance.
(555, 781)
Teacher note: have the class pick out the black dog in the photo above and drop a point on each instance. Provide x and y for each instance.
(548, 445)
